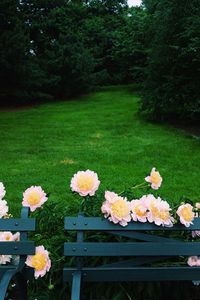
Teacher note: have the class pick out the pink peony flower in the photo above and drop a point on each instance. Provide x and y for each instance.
(164, 217)
(116, 209)
(110, 196)
(4, 259)
(195, 233)
(40, 261)
(197, 205)
(3, 208)
(9, 236)
(158, 211)
(34, 197)
(2, 190)
(193, 261)
(186, 214)
(85, 183)
(6, 236)
(16, 236)
(154, 179)
(139, 210)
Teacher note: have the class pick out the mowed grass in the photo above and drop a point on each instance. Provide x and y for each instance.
(47, 144)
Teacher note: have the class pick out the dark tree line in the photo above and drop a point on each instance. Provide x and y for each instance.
(55, 49)
(172, 85)
(58, 48)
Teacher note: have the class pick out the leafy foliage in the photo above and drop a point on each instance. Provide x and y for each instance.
(56, 49)
(171, 87)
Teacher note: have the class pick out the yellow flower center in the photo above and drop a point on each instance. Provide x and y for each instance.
(187, 214)
(7, 238)
(120, 208)
(38, 261)
(140, 211)
(155, 177)
(155, 211)
(164, 215)
(33, 198)
(85, 183)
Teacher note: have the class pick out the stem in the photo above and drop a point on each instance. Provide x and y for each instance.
(121, 193)
(143, 187)
(140, 185)
(82, 207)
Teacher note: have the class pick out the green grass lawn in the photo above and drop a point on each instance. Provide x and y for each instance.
(47, 144)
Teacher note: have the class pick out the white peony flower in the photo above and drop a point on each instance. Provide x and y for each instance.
(2, 190)
(3, 208)
(4, 259)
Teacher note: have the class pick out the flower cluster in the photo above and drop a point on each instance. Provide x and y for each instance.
(157, 210)
(33, 198)
(7, 236)
(146, 209)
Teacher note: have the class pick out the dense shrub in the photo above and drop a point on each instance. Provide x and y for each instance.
(172, 85)
(57, 49)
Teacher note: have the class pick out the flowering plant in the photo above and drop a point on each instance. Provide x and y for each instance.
(147, 208)
(33, 198)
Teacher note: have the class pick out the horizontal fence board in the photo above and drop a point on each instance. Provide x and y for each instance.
(135, 274)
(17, 224)
(132, 249)
(102, 224)
(17, 248)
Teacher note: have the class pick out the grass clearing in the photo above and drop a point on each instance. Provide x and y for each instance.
(47, 144)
